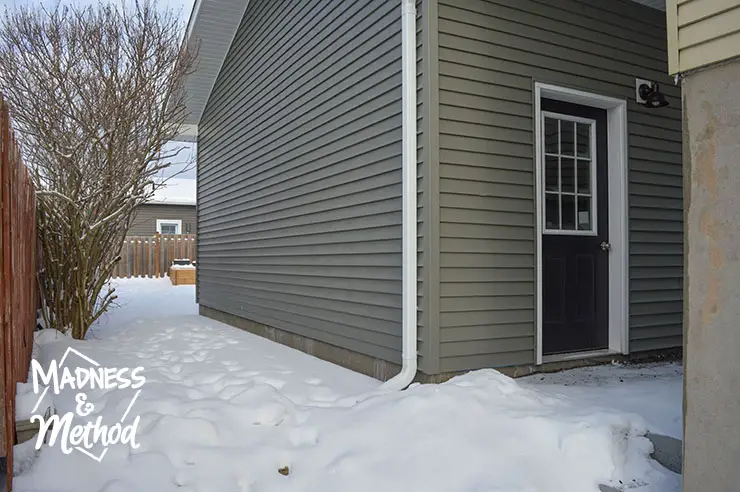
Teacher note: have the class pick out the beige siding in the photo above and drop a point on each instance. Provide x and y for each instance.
(701, 32)
(490, 55)
(145, 222)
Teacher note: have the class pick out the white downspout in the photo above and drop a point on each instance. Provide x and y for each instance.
(408, 164)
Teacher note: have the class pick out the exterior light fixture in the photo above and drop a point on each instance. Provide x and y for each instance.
(648, 94)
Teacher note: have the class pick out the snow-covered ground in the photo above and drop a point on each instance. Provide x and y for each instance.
(223, 410)
(653, 391)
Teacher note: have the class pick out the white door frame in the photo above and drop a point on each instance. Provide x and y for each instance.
(616, 110)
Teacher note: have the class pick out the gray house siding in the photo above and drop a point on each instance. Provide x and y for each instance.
(490, 55)
(427, 327)
(299, 178)
(428, 186)
(145, 222)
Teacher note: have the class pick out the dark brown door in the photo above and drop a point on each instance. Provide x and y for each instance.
(575, 242)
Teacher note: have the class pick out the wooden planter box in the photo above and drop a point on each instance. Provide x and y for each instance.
(25, 430)
(182, 276)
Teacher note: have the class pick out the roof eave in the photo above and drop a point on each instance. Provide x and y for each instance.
(212, 25)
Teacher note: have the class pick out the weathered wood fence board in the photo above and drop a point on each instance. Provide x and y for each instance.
(18, 279)
(151, 256)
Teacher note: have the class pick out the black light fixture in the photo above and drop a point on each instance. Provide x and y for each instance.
(650, 95)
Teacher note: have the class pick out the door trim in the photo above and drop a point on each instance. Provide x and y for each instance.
(618, 236)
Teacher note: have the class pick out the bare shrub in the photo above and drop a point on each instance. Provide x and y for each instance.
(96, 92)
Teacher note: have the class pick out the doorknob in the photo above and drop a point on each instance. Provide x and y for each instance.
(605, 246)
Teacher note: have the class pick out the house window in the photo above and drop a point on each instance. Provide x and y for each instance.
(569, 174)
(169, 226)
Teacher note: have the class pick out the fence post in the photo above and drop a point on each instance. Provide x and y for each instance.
(146, 253)
(4, 302)
(7, 307)
(156, 253)
(128, 258)
(139, 257)
(150, 257)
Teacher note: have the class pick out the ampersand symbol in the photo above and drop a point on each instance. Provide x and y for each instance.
(83, 407)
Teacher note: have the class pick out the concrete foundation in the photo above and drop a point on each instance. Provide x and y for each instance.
(364, 364)
(711, 106)
(384, 370)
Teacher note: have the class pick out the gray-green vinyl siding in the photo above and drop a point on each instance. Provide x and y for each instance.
(427, 328)
(299, 181)
(490, 54)
(145, 221)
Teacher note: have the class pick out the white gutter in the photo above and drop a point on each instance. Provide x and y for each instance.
(408, 164)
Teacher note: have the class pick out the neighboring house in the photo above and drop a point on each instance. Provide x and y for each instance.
(172, 210)
(550, 203)
(704, 54)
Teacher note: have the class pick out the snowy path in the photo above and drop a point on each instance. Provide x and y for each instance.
(653, 391)
(193, 350)
(223, 410)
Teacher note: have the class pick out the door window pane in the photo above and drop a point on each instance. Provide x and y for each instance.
(552, 211)
(568, 204)
(567, 175)
(551, 136)
(584, 176)
(551, 173)
(584, 213)
(567, 137)
(583, 140)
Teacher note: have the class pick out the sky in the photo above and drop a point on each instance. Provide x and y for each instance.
(184, 5)
(186, 158)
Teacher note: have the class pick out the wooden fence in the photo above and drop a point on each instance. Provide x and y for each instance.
(18, 281)
(151, 256)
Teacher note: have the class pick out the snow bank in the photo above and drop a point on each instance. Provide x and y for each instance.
(481, 431)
